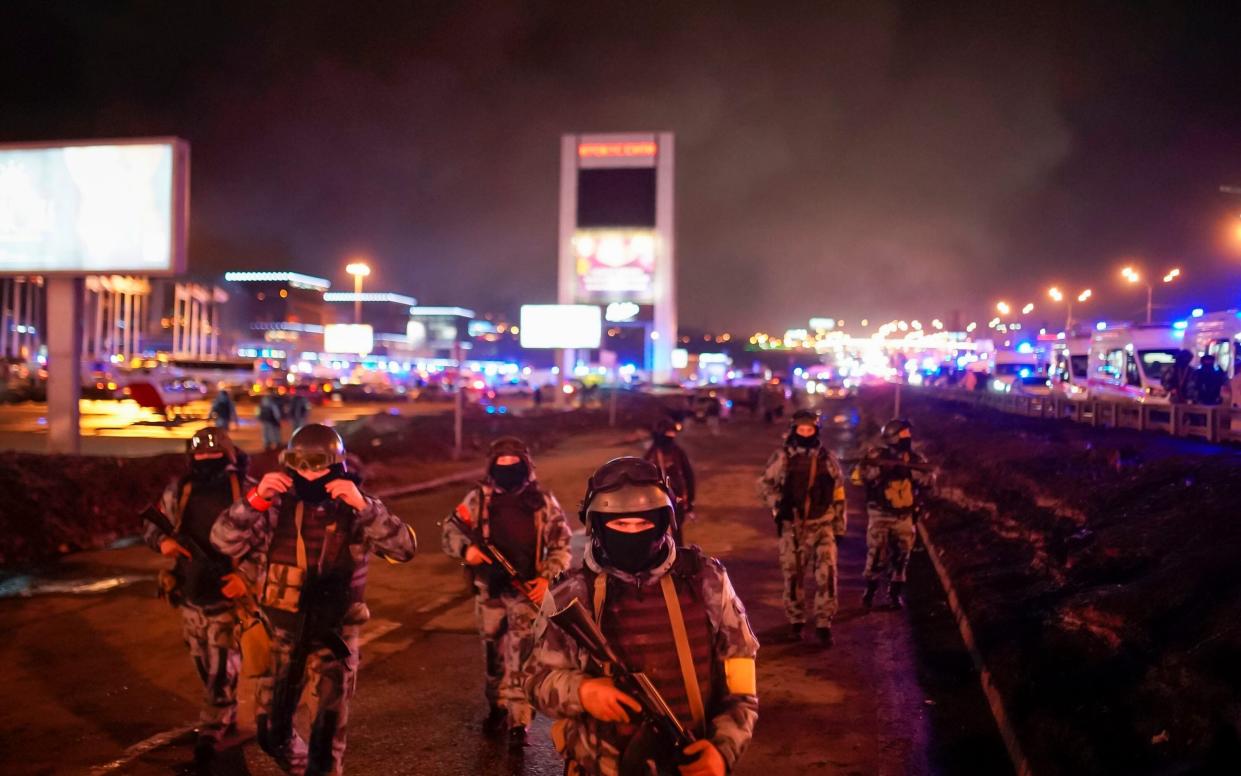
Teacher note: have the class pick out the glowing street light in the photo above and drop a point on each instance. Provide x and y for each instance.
(1133, 276)
(359, 270)
(1058, 296)
(1173, 274)
(1002, 308)
(1055, 294)
(1029, 308)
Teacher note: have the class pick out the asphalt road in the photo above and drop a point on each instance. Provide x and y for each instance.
(100, 682)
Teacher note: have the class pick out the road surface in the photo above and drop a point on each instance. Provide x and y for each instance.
(101, 681)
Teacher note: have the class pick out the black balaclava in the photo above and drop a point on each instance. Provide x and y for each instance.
(208, 469)
(665, 440)
(806, 442)
(315, 491)
(904, 445)
(511, 477)
(634, 553)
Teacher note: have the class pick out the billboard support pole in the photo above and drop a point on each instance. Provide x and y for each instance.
(64, 356)
(458, 405)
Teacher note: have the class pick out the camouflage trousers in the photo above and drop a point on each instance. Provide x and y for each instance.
(506, 626)
(889, 540)
(213, 643)
(802, 544)
(332, 682)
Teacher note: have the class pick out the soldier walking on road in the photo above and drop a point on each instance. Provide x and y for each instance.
(525, 524)
(674, 464)
(310, 530)
(670, 612)
(804, 488)
(201, 586)
(895, 495)
(269, 420)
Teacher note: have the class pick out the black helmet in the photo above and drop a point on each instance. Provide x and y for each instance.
(804, 418)
(625, 486)
(662, 426)
(211, 440)
(895, 430)
(508, 445)
(314, 446)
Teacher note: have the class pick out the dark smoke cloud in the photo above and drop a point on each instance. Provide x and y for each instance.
(876, 159)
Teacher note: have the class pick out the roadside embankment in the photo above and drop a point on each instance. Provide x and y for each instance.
(1099, 573)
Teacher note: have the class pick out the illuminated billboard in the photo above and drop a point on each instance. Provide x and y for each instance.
(94, 207)
(348, 338)
(568, 326)
(615, 265)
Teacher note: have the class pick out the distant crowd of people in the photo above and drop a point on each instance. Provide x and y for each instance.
(1207, 384)
(273, 410)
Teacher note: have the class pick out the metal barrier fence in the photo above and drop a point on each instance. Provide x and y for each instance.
(1213, 424)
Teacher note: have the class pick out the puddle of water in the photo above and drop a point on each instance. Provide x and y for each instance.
(26, 586)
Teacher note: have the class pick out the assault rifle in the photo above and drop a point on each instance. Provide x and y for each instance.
(248, 611)
(493, 552)
(890, 463)
(661, 723)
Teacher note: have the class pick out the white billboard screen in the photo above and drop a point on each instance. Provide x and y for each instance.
(561, 326)
(348, 338)
(615, 265)
(94, 207)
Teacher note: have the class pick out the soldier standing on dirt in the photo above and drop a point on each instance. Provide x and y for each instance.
(525, 523)
(674, 464)
(804, 488)
(895, 494)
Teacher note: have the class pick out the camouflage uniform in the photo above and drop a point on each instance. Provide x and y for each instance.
(557, 666)
(806, 540)
(245, 532)
(893, 497)
(503, 615)
(209, 626)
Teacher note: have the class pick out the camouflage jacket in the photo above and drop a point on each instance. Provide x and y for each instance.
(557, 666)
(892, 490)
(771, 484)
(554, 533)
(245, 534)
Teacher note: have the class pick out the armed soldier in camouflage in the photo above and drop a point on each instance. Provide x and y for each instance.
(202, 583)
(310, 532)
(674, 464)
(804, 488)
(669, 612)
(895, 494)
(510, 514)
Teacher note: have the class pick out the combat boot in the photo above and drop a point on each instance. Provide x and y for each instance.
(824, 632)
(795, 630)
(868, 598)
(493, 724)
(517, 737)
(896, 598)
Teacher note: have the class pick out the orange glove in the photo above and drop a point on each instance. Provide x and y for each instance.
(709, 762)
(169, 547)
(234, 586)
(603, 701)
(475, 556)
(536, 589)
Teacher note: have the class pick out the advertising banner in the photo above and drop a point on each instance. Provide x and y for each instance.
(561, 326)
(615, 265)
(94, 207)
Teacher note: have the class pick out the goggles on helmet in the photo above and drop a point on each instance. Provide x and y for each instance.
(308, 461)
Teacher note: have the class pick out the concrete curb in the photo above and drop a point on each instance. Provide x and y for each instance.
(996, 702)
(438, 482)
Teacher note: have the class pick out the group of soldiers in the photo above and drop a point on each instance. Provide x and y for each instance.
(643, 655)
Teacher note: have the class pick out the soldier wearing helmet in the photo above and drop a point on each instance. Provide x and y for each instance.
(672, 461)
(804, 488)
(670, 612)
(894, 496)
(201, 587)
(309, 530)
(511, 512)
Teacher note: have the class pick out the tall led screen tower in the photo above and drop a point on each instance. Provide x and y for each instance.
(617, 240)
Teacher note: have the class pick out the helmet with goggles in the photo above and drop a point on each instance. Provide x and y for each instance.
(314, 447)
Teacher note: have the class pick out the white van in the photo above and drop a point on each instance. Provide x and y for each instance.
(1127, 362)
(1070, 367)
(1216, 334)
(1014, 370)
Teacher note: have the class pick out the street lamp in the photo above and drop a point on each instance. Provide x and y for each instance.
(1058, 296)
(359, 270)
(1029, 308)
(1133, 276)
(1002, 308)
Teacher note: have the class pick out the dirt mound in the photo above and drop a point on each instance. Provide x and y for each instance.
(1099, 571)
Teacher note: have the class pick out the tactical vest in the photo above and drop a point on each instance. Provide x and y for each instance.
(800, 491)
(513, 529)
(199, 505)
(894, 491)
(636, 622)
(342, 579)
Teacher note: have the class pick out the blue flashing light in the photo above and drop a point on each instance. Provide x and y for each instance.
(1100, 326)
(1197, 312)
(1024, 373)
(491, 410)
(1025, 347)
(503, 410)
(1180, 325)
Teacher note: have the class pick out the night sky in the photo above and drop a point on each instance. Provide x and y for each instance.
(847, 159)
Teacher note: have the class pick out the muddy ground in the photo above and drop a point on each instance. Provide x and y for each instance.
(1099, 570)
(55, 504)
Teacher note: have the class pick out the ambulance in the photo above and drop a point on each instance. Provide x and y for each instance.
(1126, 362)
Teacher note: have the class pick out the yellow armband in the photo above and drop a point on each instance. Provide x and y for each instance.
(739, 675)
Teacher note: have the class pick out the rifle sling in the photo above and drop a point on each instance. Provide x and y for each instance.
(686, 658)
(189, 487)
